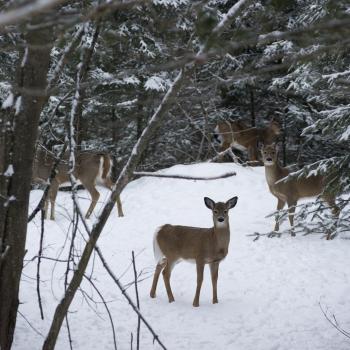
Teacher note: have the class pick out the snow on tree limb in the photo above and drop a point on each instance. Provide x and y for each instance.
(27, 11)
(67, 51)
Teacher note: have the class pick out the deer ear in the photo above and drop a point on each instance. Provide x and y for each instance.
(209, 203)
(275, 126)
(231, 202)
(260, 146)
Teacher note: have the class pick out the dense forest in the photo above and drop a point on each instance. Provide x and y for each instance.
(147, 82)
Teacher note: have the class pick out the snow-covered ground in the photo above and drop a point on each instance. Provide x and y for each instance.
(269, 290)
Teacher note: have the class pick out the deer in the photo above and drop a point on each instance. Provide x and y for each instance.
(240, 136)
(291, 191)
(91, 167)
(173, 243)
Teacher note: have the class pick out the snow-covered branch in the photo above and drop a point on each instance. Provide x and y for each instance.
(25, 12)
(67, 51)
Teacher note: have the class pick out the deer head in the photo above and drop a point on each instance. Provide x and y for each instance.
(269, 154)
(220, 210)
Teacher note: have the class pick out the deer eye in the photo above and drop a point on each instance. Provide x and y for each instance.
(225, 211)
(215, 211)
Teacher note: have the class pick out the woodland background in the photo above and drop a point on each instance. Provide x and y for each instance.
(103, 69)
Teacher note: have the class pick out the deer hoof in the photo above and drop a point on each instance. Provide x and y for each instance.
(215, 301)
(152, 295)
(195, 304)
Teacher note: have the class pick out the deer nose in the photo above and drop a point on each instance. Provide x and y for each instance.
(221, 219)
(269, 159)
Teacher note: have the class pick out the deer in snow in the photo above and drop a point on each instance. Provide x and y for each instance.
(202, 245)
(291, 191)
(90, 168)
(238, 135)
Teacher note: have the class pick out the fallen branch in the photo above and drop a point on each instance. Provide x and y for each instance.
(184, 177)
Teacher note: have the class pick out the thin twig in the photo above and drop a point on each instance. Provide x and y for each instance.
(125, 294)
(30, 325)
(39, 262)
(334, 322)
(107, 309)
(137, 303)
(69, 334)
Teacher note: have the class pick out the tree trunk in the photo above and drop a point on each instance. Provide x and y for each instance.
(252, 105)
(17, 142)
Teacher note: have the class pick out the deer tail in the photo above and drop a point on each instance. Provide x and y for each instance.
(158, 254)
(106, 167)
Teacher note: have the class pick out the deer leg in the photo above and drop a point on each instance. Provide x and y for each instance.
(46, 208)
(291, 211)
(253, 153)
(159, 268)
(109, 185)
(280, 205)
(119, 206)
(200, 270)
(335, 211)
(95, 195)
(214, 271)
(52, 196)
(331, 202)
(166, 277)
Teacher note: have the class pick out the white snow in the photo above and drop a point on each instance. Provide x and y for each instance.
(170, 3)
(269, 290)
(8, 102)
(18, 105)
(9, 171)
(157, 83)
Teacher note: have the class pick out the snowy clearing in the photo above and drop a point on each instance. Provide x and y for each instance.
(269, 290)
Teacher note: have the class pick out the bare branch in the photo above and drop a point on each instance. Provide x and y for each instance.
(107, 310)
(137, 302)
(184, 177)
(25, 12)
(67, 51)
(39, 262)
(333, 321)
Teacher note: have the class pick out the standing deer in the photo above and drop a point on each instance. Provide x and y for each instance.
(290, 192)
(238, 135)
(203, 245)
(90, 168)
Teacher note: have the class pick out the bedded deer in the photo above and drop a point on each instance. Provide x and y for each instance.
(90, 168)
(291, 191)
(238, 135)
(202, 245)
